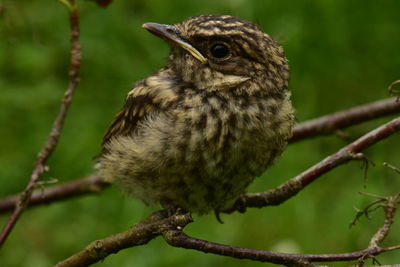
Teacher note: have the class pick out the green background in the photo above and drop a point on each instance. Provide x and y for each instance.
(342, 53)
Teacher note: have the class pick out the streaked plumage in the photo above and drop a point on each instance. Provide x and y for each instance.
(197, 132)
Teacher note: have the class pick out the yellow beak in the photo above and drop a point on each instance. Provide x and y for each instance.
(171, 33)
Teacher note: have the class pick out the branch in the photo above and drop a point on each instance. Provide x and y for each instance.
(318, 126)
(52, 140)
(173, 234)
(389, 208)
(139, 234)
(171, 229)
(293, 186)
(390, 211)
(330, 123)
(88, 185)
(394, 168)
(177, 238)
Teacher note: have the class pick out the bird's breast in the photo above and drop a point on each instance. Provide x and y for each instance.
(203, 151)
(220, 131)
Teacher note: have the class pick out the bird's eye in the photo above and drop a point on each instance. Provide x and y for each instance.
(219, 50)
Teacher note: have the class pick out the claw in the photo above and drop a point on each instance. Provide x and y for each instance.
(217, 213)
(169, 207)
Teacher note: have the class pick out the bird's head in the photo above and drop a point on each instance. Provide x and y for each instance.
(221, 52)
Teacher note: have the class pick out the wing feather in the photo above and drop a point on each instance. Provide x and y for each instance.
(136, 108)
(156, 93)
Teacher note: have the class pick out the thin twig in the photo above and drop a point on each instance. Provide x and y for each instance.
(52, 140)
(177, 238)
(390, 166)
(389, 208)
(92, 184)
(390, 211)
(342, 119)
(371, 207)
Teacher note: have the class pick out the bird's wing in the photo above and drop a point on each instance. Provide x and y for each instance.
(154, 94)
(137, 107)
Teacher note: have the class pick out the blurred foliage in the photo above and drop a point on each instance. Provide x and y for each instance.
(342, 53)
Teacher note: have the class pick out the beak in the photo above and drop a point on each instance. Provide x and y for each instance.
(171, 33)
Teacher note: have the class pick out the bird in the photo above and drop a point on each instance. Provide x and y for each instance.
(195, 134)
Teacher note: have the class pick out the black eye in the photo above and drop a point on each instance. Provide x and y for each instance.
(219, 50)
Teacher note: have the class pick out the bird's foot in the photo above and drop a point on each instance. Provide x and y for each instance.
(240, 204)
(170, 208)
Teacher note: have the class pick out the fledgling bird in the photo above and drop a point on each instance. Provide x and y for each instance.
(197, 132)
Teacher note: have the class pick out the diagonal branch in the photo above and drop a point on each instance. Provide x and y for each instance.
(293, 186)
(52, 140)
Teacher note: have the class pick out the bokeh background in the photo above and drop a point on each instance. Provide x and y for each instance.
(342, 53)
